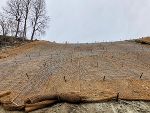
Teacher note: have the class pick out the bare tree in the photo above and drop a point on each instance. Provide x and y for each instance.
(13, 25)
(27, 7)
(19, 13)
(39, 19)
(15, 10)
(4, 25)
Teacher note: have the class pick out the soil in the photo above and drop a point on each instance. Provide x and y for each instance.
(96, 71)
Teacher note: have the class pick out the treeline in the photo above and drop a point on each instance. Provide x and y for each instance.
(24, 18)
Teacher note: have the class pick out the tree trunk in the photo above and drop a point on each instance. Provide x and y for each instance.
(17, 28)
(33, 34)
(25, 25)
(34, 30)
(24, 32)
(3, 31)
(25, 29)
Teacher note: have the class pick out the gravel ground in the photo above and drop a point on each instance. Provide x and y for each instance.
(109, 107)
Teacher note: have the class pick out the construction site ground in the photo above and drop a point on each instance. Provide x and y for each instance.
(117, 72)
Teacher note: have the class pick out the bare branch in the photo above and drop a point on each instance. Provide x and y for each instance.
(39, 19)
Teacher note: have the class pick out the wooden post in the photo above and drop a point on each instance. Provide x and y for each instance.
(117, 98)
(141, 75)
(104, 78)
(65, 79)
(27, 76)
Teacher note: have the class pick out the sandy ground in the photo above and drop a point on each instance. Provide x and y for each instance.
(95, 70)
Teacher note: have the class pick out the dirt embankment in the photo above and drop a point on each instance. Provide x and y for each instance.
(92, 72)
(144, 40)
(26, 47)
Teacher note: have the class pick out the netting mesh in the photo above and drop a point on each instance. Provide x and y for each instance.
(73, 73)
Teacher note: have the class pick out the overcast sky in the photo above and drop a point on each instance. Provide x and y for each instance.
(97, 20)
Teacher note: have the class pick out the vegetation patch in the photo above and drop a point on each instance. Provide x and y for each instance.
(145, 40)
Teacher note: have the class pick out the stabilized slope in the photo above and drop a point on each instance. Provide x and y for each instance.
(40, 74)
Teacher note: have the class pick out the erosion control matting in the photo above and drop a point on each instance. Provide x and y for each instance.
(91, 92)
(41, 74)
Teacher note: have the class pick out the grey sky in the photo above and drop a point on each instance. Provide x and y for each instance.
(97, 20)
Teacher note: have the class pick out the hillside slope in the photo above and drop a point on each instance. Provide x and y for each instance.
(95, 71)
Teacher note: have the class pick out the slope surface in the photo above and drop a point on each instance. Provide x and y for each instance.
(97, 72)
